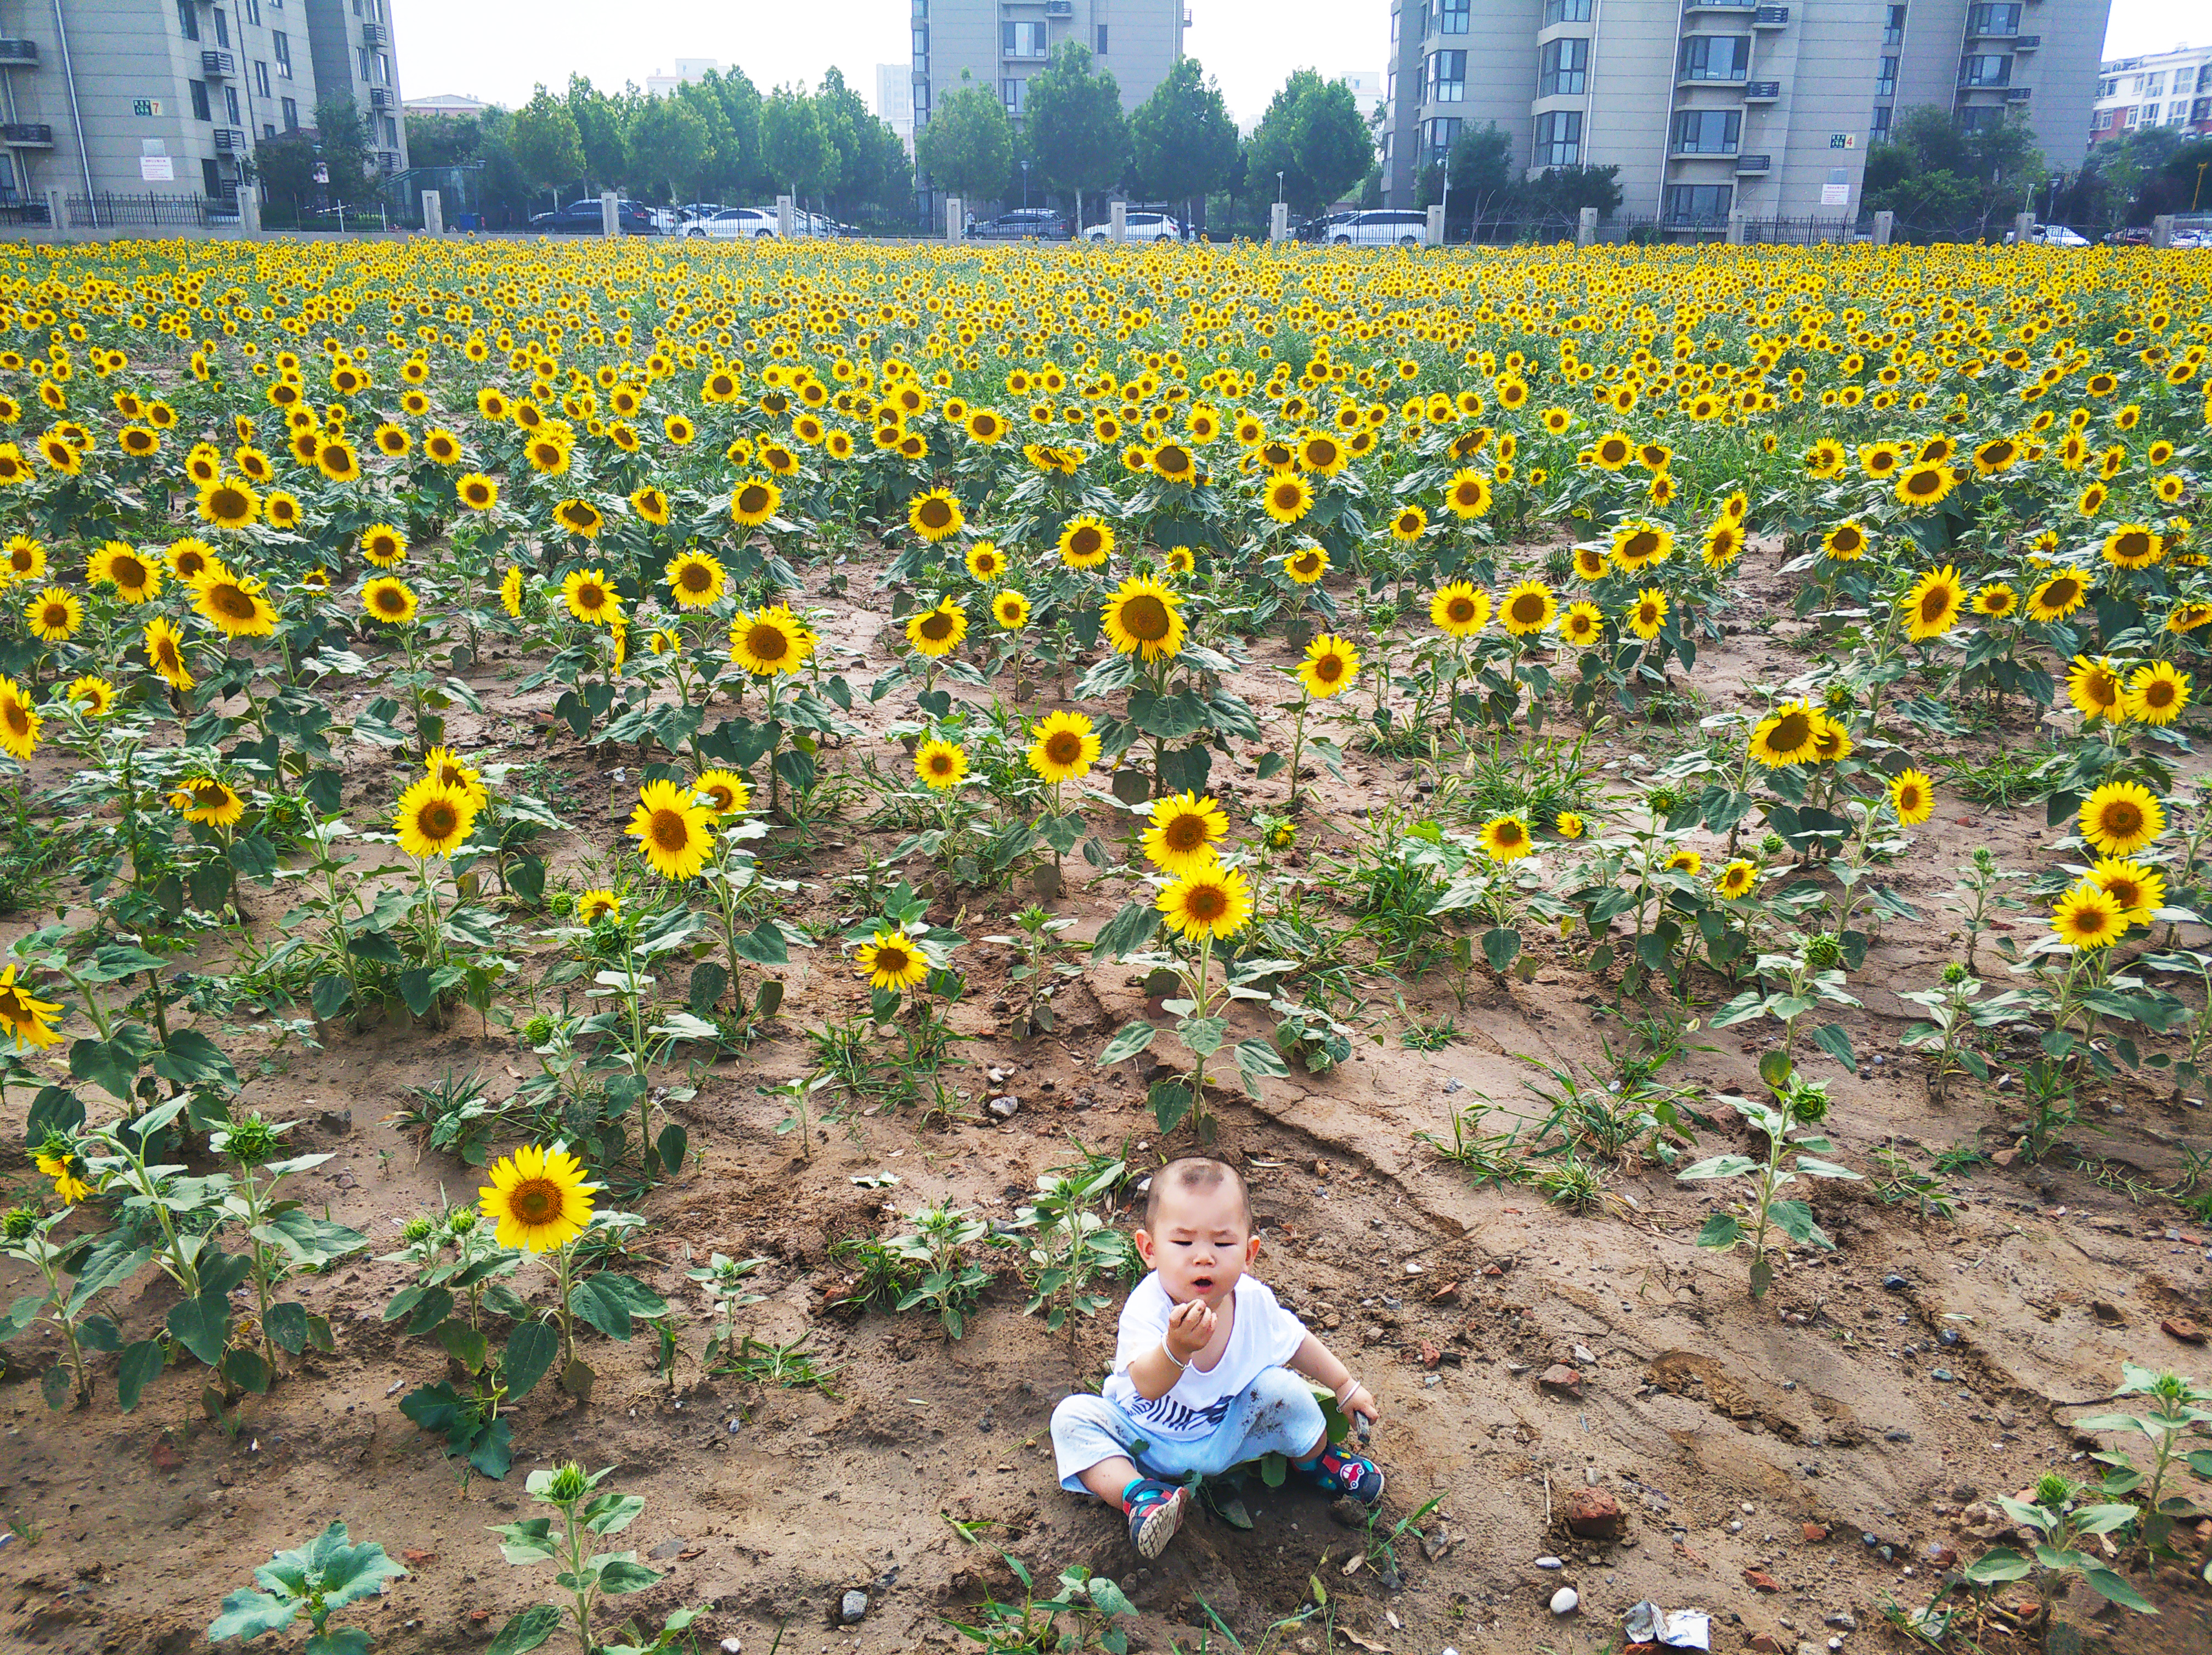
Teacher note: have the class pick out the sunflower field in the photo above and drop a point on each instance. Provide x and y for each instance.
(645, 723)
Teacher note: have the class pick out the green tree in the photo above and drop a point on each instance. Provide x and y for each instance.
(1182, 143)
(798, 154)
(671, 150)
(968, 143)
(1559, 193)
(444, 140)
(1946, 182)
(1077, 133)
(503, 187)
(600, 125)
(873, 170)
(1480, 167)
(542, 136)
(738, 170)
(343, 145)
(1312, 134)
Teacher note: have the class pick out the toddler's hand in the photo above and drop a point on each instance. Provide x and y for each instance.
(1361, 1401)
(1189, 1327)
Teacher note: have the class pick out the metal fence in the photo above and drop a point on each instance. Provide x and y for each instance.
(112, 211)
(16, 211)
(1796, 232)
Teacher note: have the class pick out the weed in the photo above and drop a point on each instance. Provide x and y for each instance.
(793, 1366)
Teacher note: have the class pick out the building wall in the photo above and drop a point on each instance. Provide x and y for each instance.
(128, 58)
(1143, 39)
(895, 100)
(1810, 101)
(2125, 102)
(340, 32)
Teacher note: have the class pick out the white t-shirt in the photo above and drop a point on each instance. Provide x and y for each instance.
(1263, 1336)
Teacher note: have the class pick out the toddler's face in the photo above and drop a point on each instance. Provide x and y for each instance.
(1200, 1245)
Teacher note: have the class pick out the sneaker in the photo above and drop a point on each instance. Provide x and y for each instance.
(1336, 1472)
(1155, 1511)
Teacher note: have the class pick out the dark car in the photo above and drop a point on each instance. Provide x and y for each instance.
(583, 218)
(2137, 237)
(1319, 229)
(1027, 224)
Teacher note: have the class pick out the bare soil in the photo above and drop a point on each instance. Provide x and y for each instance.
(1728, 1431)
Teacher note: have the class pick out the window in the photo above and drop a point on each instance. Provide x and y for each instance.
(1985, 69)
(1881, 116)
(391, 130)
(361, 60)
(200, 110)
(1390, 88)
(2135, 117)
(2200, 111)
(2177, 113)
(250, 10)
(221, 27)
(282, 45)
(1708, 131)
(1442, 133)
(383, 70)
(1975, 118)
(1102, 39)
(210, 177)
(261, 78)
(921, 42)
(2204, 77)
(1884, 80)
(1699, 203)
(1566, 11)
(1448, 76)
(291, 114)
(2151, 85)
(1021, 41)
(1893, 33)
(1011, 92)
(1715, 57)
(1395, 16)
(1562, 65)
(1453, 17)
(1558, 138)
(922, 97)
(268, 129)
(230, 105)
(2107, 89)
(188, 18)
(1993, 20)
(1389, 149)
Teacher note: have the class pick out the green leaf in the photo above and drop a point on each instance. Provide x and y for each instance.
(622, 1576)
(1719, 1166)
(1774, 1069)
(465, 1344)
(531, 1349)
(1126, 933)
(493, 1452)
(1499, 945)
(141, 1364)
(338, 1640)
(202, 1326)
(111, 1065)
(247, 1370)
(54, 1385)
(763, 945)
(1831, 1038)
(288, 1327)
(1133, 1039)
(2113, 1588)
(1720, 1231)
(526, 1630)
(191, 1059)
(1170, 1101)
(670, 1146)
(112, 1260)
(1203, 1035)
(1795, 1220)
(248, 1614)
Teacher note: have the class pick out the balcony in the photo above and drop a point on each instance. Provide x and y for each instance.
(20, 52)
(1754, 166)
(1059, 8)
(24, 135)
(230, 140)
(1771, 17)
(372, 34)
(1720, 5)
(1700, 154)
(217, 65)
(2019, 94)
(1761, 91)
(2026, 42)
(380, 97)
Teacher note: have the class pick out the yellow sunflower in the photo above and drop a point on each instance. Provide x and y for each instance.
(1996, 600)
(754, 501)
(1085, 543)
(1186, 832)
(1460, 609)
(233, 602)
(770, 642)
(2122, 818)
(935, 516)
(937, 631)
(93, 695)
(2096, 690)
(1011, 609)
(30, 1019)
(1467, 493)
(165, 652)
(1735, 881)
(673, 831)
(2157, 693)
(1637, 546)
(1505, 838)
(592, 906)
(1145, 619)
(986, 561)
(434, 819)
(2057, 598)
(2089, 918)
(2134, 545)
(390, 599)
(1789, 735)
(1527, 609)
(940, 764)
(1844, 544)
(229, 503)
(476, 491)
(133, 576)
(1924, 484)
(203, 798)
(1210, 901)
(1912, 796)
(54, 614)
(890, 959)
(1649, 614)
(537, 1199)
(1933, 605)
(2139, 890)
(19, 722)
(1329, 667)
(728, 792)
(695, 578)
(1065, 748)
(1408, 523)
(590, 597)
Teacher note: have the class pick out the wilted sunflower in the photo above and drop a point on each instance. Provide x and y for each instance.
(1185, 833)
(2156, 693)
(1505, 838)
(2096, 690)
(19, 722)
(2121, 818)
(434, 819)
(754, 501)
(1085, 543)
(940, 764)
(1144, 618)
(1789, 735)
(1527, 609)
(674, 832)
(935, 516)
(1460, 609)
(1011, 609)
(1329, 667)
(938, 631)
(205, 800)
(890, 960)
(1210, 901)
(537, 1199)
(234, 602)
(1065, 748)
(54, 614)
(165, 652)
(770, 642)
(1912, 796)
(696, 579)
(389, 599)
(1933, 605)
(2089, 917)
(384, 545)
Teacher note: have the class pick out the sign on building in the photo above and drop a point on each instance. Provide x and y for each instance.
(146, 108)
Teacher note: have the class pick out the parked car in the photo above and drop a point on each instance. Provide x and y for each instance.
(583, 218)
(2186, 237)
(2054, 235)
(691, 209)
(1144, 226)
(732, 224)
(1318, 229)
(1384, 227)
(2136, 236)
(1024, 224)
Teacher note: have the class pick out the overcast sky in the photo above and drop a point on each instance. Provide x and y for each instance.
(497, 50)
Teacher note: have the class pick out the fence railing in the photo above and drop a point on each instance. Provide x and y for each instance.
(16, 211)
(111, 210)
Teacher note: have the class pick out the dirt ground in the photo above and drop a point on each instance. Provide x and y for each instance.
(1728, 1433)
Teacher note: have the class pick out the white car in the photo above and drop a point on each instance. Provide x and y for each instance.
(733, 224)
(1380, 229)
(1142, 227)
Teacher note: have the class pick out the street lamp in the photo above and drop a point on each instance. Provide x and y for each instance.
(1025, 180)
(1279, 189)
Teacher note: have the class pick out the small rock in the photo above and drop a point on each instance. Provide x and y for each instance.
(1897, 1436)
(1943, 1376)
(1894, 1283)
(1766, 1643)
(1436, 1542)
(1582, 1357)
(1549, 1563)
(1562, 1381)
(731, 1647)
(1816, 1532)
(852, 1609)
(668, 1549)
(1844, 1621)
(2181, 1328)
(1453, 1084)
(2109, 1313)
(1948, 1336)
(1594, 1514)
(1565, 1600)
(1760, 1580)
(1004, 1107)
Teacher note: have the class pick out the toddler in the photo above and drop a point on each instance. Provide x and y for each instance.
(1207, 1373)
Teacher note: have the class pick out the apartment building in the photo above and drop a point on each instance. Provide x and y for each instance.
(1001, 43)
(357, 61)
(689, 71)
(1715, 107)
(136, 95)
(895, 100)
(2162, 89)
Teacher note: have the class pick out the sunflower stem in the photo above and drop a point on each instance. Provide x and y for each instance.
(1298, 745)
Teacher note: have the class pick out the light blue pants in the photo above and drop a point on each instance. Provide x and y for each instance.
(1275, 1414)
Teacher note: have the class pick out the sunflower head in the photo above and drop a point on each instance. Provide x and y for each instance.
(1330, 665)
(540, 1201)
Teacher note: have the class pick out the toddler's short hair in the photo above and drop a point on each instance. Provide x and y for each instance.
(1199, 1172)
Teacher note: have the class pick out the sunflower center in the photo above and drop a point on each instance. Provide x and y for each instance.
(390, 599)
(535, 1202)
(1922, 483)
(208, 796)
(592, 597)
(1461, 610)
(1508, 833)
(940, 763)
(1063, 747)
(1329, 668)
(1084, 541)
(695, 577)
(892, 960)
(1208, 902)
(1639, 546)
(936, 513)
(1307, 562)
(1527, 609)
(1648, 614)
(1793, 732)
(2125, 892)
(1172, 460)
(2159, 693)
(232, 602)
(2134, 544)
(19, 717)
(936, 625)
(668, 830)
(1184, 833)
(2120, 819)
(53, 615)
(438, 819)
(1934, 602)
(1467, 493)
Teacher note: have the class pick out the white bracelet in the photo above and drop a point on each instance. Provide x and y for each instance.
(1349, 1386)
(1170, 1355)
